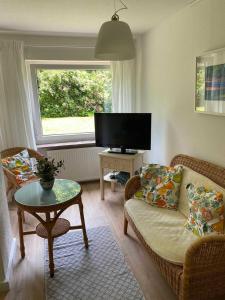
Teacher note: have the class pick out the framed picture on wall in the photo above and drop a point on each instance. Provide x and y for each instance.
(210, 83)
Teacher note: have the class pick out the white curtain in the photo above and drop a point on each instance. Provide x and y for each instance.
(16, 127)
(123, 86)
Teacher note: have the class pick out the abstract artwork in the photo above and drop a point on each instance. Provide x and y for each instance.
(215, 82)
(210, 83)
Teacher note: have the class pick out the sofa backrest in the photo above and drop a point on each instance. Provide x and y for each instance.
(209, 170)
(190, 176)
(198, 172)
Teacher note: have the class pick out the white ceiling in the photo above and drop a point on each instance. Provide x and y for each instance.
(74, 17)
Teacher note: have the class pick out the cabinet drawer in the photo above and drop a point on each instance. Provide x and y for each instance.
(116, 164)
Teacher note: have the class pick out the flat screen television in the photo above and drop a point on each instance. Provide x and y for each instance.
(123, 132)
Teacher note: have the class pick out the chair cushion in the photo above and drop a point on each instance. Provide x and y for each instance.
(21, 165)
(190, 176)
(163, 230)
(206, 211)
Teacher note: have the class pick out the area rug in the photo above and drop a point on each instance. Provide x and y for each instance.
(99, 272)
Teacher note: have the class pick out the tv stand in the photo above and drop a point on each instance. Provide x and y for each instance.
(122, 151)
(118, 162)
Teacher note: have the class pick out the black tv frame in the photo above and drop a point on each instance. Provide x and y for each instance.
(121, 149)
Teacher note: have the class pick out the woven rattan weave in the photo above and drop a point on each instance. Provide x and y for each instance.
(202, 277)
(11, 178)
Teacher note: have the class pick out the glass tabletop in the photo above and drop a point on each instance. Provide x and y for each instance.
(32, 194)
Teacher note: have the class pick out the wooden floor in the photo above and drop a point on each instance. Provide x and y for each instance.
(27, 280)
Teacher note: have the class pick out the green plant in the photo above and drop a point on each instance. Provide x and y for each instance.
(48, 169)
(73, 93)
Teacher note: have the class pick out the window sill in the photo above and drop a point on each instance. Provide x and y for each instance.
(63, 146)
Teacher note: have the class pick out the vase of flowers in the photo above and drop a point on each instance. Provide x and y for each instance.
(46, 170)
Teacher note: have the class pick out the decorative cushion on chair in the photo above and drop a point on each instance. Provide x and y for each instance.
(206, 210)
(21, 165)
(160, 186)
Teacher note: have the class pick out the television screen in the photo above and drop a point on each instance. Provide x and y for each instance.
(123, 130)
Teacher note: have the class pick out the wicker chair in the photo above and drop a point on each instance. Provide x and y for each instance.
(202, 275)
(11, 178)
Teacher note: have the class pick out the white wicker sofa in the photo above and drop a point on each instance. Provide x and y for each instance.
(194, 267)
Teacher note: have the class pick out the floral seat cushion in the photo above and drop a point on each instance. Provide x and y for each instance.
(21, 165)
(162, 229)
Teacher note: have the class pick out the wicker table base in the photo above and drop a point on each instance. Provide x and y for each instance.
(50, 226)
(61, 227)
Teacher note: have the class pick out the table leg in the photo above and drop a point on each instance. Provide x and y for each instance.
(102, 183)
(125, 225)
(50, 253)
(50, 244)
(23, 217)
(131, 171)
(113, 186)
(20, 221)
(83, 224)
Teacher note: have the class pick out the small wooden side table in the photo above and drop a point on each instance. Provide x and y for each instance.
(119, 162)
(34, 200)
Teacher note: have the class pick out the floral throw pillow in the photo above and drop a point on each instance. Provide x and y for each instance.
(161, 186)
(151, 175)
(206, 211)
(166, 193)
(21, 165)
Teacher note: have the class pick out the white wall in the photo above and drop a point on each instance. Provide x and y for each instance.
(168, 83)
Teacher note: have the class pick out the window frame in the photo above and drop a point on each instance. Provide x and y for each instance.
(32, 67)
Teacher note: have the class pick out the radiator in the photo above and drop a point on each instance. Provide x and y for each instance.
(81, 164)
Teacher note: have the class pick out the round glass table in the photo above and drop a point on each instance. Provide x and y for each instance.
(34, 200)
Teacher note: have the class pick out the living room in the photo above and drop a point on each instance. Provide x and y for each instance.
(45, 43)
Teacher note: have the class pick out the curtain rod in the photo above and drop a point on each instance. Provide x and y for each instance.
(58, 46)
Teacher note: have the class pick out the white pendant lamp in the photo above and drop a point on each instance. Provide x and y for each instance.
(115, 40)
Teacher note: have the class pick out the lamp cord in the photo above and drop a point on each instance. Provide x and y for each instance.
(115, 15)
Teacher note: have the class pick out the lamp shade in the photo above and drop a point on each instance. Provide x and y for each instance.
(115, 41)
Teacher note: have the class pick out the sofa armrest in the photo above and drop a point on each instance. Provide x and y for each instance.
(204, 269)
(132, 185)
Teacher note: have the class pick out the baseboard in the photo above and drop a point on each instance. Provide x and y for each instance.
(4, 285)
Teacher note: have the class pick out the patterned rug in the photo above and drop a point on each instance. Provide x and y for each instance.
(97, 273)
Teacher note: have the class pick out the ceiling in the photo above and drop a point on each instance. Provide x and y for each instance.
(81, 17)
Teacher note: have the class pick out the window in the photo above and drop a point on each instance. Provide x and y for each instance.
(66, 97)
